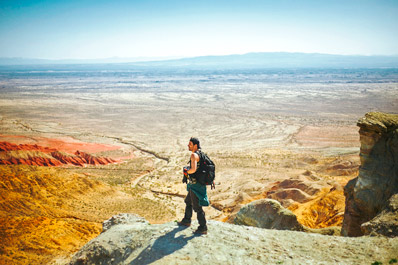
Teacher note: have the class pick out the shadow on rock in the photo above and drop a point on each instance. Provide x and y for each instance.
(163, 246)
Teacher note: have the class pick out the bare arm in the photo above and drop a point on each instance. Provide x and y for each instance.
(194, 163)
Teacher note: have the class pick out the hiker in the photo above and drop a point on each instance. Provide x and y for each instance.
(197, 193)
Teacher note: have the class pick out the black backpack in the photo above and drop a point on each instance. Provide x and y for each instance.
(207, 170)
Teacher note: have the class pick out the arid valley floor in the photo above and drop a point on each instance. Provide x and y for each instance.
(259, 128)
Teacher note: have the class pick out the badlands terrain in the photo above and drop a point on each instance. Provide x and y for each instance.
(78, 147)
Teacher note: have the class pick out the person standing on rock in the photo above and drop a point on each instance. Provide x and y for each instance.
(197, 193)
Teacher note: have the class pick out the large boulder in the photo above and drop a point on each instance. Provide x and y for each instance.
(267, 213)
(368, 194)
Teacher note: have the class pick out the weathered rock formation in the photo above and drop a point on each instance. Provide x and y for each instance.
(270, 214)
(132, 240)
(341, 167)
(5, 146)
(325, 210)
(385, 223)
(35, 155)
(300, 189)
(368, 194)
(267, 213)
(81, 158)
(317, 203)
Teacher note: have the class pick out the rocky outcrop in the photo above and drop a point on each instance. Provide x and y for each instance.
(386, 222)
(368, 194)
(122, 218)
(132, 240)
(270, 214)
(35, 155)
(267, 213)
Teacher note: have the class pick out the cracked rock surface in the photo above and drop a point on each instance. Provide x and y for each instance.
(134, 241)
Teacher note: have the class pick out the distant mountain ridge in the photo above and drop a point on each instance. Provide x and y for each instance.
(112, 60)
(235, 61)
(286, 60)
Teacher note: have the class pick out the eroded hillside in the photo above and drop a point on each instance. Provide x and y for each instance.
(60, 206)
(49, 212)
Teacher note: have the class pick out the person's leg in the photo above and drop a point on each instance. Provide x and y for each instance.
(200, 213)
(188, 211)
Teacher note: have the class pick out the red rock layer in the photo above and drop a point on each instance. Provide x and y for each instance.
(6, 146)
(64, 144)
(58, 158)
(92, 160)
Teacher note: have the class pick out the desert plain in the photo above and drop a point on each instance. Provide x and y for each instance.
(260, 127)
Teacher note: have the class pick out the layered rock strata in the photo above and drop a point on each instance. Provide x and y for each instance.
(317, 203)
(368, 194)
(35, 155)
(300, 189)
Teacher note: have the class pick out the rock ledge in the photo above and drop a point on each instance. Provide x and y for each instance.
(132, 240)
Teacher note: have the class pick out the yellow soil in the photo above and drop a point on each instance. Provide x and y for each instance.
(51, 212)
(325, 210)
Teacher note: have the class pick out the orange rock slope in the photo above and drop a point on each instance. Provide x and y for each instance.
(326, 207)
(48, 213)
(37, 218)
(317, 201)
(45, 210)
(325, 210)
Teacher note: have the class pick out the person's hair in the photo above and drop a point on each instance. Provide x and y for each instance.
(196, 141)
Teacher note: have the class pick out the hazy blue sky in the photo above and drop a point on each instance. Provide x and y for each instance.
(152, 28)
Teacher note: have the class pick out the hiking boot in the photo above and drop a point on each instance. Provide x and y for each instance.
(184, 223)
(202, 230)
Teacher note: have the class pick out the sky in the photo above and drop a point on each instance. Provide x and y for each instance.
(92, 29)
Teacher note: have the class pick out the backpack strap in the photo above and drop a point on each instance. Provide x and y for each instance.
(199, 153)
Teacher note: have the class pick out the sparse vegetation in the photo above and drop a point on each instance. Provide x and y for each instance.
(118, 174)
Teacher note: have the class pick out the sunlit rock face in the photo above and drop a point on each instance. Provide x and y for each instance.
(130, 239)
(369, 193)
(269, 214)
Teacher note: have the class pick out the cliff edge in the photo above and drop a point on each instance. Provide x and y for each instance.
(370, 195)
(130, 239)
